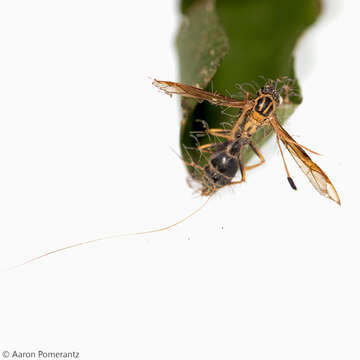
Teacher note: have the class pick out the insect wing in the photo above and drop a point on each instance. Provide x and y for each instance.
(316, 176)
(170, 88)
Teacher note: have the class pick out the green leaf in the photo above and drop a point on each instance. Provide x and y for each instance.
(202, 44)
(231, 42)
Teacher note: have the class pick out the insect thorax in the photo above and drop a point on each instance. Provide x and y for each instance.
(264, 105)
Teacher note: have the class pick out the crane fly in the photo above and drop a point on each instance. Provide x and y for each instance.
(224, 158)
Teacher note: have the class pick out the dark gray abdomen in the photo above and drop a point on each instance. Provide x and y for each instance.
(221, 170)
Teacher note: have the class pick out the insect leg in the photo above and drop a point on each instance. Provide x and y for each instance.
(209, 147)
(235, 183)
(242, 170)
(290, 180)
(223, 133)
(258, 153)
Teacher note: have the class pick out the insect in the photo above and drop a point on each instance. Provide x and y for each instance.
(224, 160)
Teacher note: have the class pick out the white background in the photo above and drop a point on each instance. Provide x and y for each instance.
(262, 272)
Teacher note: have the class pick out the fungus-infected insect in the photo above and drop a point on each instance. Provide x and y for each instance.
(224, 158)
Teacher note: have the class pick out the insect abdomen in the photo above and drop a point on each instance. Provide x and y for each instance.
(221, 169)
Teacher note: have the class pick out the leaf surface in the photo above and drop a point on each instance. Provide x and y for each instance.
(229, 42)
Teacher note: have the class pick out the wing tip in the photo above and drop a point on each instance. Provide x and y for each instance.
(163, 86)
(333, 195)
(156, 83)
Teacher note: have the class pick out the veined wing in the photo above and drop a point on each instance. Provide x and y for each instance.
(316, 176)
(170, 88)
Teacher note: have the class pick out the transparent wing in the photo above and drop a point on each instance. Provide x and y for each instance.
(316, 176)
(170, 88)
